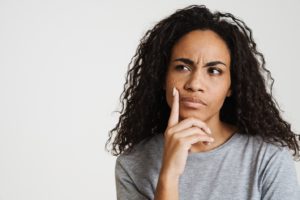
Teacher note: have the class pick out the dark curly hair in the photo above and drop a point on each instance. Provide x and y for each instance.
(251, 108)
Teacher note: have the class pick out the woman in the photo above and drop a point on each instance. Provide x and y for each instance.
(198, 121)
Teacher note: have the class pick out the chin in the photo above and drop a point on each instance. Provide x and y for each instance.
(193, 114)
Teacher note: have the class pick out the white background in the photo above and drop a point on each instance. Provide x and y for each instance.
(62, 70)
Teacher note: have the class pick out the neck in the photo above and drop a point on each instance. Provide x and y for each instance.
(221, 132)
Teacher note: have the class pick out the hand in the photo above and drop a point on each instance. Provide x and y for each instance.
(179, 138)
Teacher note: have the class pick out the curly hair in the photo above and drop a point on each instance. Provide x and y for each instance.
(251, 108)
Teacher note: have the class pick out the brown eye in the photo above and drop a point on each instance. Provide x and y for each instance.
(181, 68)
(214, 70)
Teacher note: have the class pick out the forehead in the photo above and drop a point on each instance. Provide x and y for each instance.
(201, 44)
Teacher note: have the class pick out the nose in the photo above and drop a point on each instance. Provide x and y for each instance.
(195, 82)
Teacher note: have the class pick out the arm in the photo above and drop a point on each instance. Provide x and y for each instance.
(279, 178)
(167, 187)
(125, 187)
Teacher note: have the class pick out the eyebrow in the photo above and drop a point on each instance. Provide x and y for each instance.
(190, 62)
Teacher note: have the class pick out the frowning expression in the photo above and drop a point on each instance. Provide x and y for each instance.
(199, 68)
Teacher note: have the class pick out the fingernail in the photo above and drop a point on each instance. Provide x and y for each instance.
(174, 91)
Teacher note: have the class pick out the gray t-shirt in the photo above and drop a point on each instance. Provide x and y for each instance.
(243, 168)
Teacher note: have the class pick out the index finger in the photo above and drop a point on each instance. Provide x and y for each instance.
(174, 115)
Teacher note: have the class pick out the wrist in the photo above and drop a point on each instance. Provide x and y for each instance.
(167, 186)
(168, 177)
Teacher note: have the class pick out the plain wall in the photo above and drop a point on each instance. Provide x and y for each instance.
(62, 70)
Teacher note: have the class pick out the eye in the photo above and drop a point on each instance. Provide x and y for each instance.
(182, 67)
(214, 70)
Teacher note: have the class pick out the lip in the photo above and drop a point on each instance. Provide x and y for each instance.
(192, 102)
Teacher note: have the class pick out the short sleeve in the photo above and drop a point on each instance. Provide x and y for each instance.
(279, 178)
(125, 187)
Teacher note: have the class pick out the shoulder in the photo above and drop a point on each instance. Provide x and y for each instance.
(270, 150)
(137, 171)
(272, 158)
(263, 147)
(261, 152)
(143, 152)
(277, 172)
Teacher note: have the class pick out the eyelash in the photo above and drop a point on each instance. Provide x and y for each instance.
(179, 68)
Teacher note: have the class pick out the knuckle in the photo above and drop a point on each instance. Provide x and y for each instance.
(169, 131)
(199, 136)
(193, 119)
(180, 141)
(197, 130)
(190, 120)
(197, 122)
(201, 123)
(173, 137)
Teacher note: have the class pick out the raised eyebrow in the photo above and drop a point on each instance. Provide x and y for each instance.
(212, 63)
(184, 60)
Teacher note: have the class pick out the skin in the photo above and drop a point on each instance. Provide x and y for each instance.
(209, 83)
(193, 72)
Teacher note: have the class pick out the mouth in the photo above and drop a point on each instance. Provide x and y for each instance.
(192, 102)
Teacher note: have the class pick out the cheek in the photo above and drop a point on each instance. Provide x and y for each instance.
(218, 96)
(169, 90)
(174, 80)
(171, 81)
(219, 88)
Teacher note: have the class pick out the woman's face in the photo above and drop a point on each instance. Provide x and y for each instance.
(200, 70)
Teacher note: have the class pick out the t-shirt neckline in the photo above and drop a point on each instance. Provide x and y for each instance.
(223, 146)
